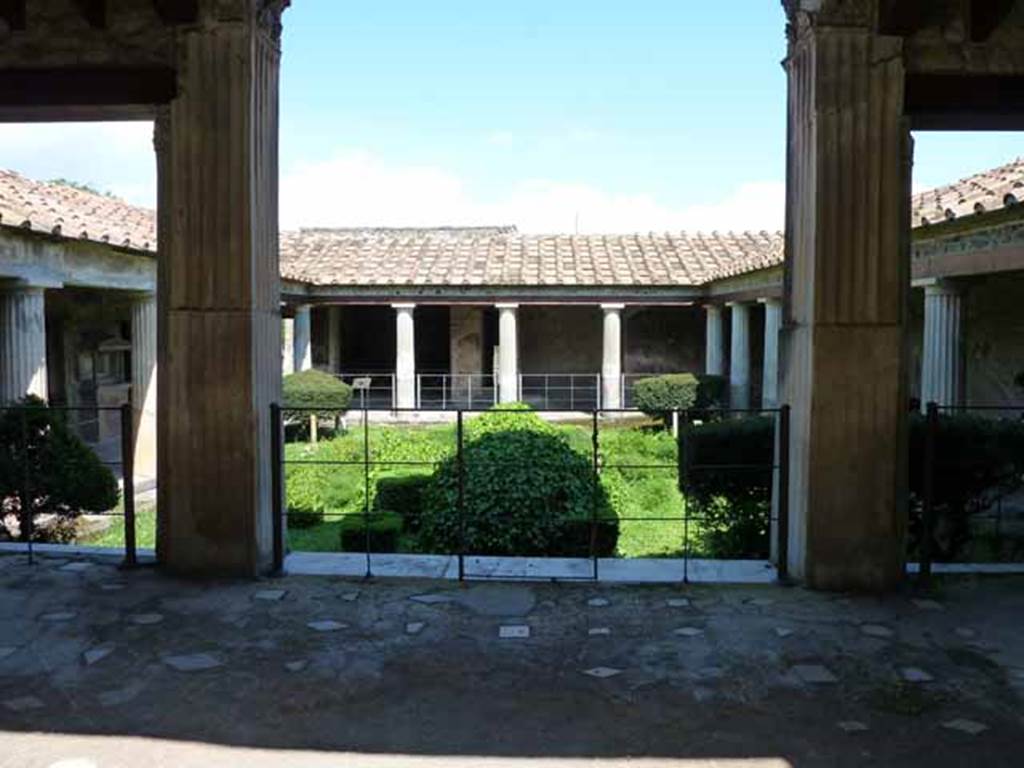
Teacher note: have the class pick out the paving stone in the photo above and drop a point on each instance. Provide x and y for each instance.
(146, 619)
(513, 631)
(678, 602)
(193, 662)
(97, 653)
(965, 632)
(876, 630)
(7, 650)
(269, 595)
(915, 675)
(23, 704)
(75, 567)
(852, 726)
(602, 673)
(711, 673)
(783, 631)
(928, 605)
(326, 625)
(350, 597)
(498, 600)
(762, 602)
(414, 627)
(57, 616)
(296, 666)
(689, 631)
(814, 673)
(119, 696)
(425, 599)
(599, 602)
(970, 727)
(599, 631)
(112, 586)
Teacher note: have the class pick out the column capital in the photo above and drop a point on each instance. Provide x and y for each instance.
(404, 306)
(769, 301)
(25, 285)
(613, 307)
(941, 287)
(506, 305)
(731, 304)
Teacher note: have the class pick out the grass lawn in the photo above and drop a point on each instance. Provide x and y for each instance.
(145, 530)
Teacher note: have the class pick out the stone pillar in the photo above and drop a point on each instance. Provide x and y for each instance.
(508, 352)
(302, 341)
(611, 361)
(770, 380)
(466, 354)
(714, 341)
(219, 325)
(942, 364)
(144, 388)
(334, 339)
(739, 356)
(405, 356)
(22, 342)
(846, 286)
(287, 345)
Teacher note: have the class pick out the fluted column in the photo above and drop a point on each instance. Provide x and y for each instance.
(302, 340)
(287, 345)
(611, 360)
(144, 395)
(714, 341)
(942, 366)
(219, 292)
(405, 356)
(22, 342)
(770, 374)
(508, 352)
(847, 277)
(739, 356)
(334, 339)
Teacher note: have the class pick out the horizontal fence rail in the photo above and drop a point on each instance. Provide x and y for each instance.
(370, 390)
(454, 391)
(372, 454)
(32, 484)
(561, 391)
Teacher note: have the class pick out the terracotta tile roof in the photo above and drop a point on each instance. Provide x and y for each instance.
(501, 256)
(982, 193)
(58, 209)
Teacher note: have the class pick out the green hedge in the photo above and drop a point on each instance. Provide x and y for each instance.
(526, 492)
(45, 469)
(315, 389)
(384, 530)
(658, 396)
(402, 495)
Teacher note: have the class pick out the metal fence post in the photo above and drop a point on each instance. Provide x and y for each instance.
(461, 490)
(277, 485)
(595, 494)
(366, 490)
(684, 483)
(128, 483)
(782, 566)
(928, 502)
(27, 523)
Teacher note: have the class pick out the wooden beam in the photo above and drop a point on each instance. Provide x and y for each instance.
(986, 16)
(177, 11)
(86, 87)
(94, 12)
(965, 102)
(12, 13)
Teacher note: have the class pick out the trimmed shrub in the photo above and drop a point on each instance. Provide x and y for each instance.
(729, 483)
(659, 395)
(45, 469)
(402, 494)
(712, 391)
(385, 529)
(527, 492)
(315, 389)
(977, 461)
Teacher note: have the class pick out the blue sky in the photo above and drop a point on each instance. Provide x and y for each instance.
(601, 115)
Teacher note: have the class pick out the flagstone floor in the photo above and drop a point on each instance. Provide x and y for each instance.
(101, 667)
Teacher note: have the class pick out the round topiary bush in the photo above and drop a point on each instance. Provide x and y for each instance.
(314, 392)
(526, 492)
(45, 469)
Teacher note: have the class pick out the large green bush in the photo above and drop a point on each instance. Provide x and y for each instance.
(312, 389)
(45, 469)
(526, 492)
(977, 461)
(402, 494)
(728, 482)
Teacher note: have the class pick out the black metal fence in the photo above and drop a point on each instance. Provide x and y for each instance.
(967, 486)
(124, 463)
(587, 538)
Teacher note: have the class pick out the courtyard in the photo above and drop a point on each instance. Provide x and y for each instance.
(427, 673)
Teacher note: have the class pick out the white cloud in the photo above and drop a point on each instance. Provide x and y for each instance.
(357, 189)
(113, 157)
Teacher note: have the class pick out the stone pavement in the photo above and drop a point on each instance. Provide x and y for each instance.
(323, 671)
